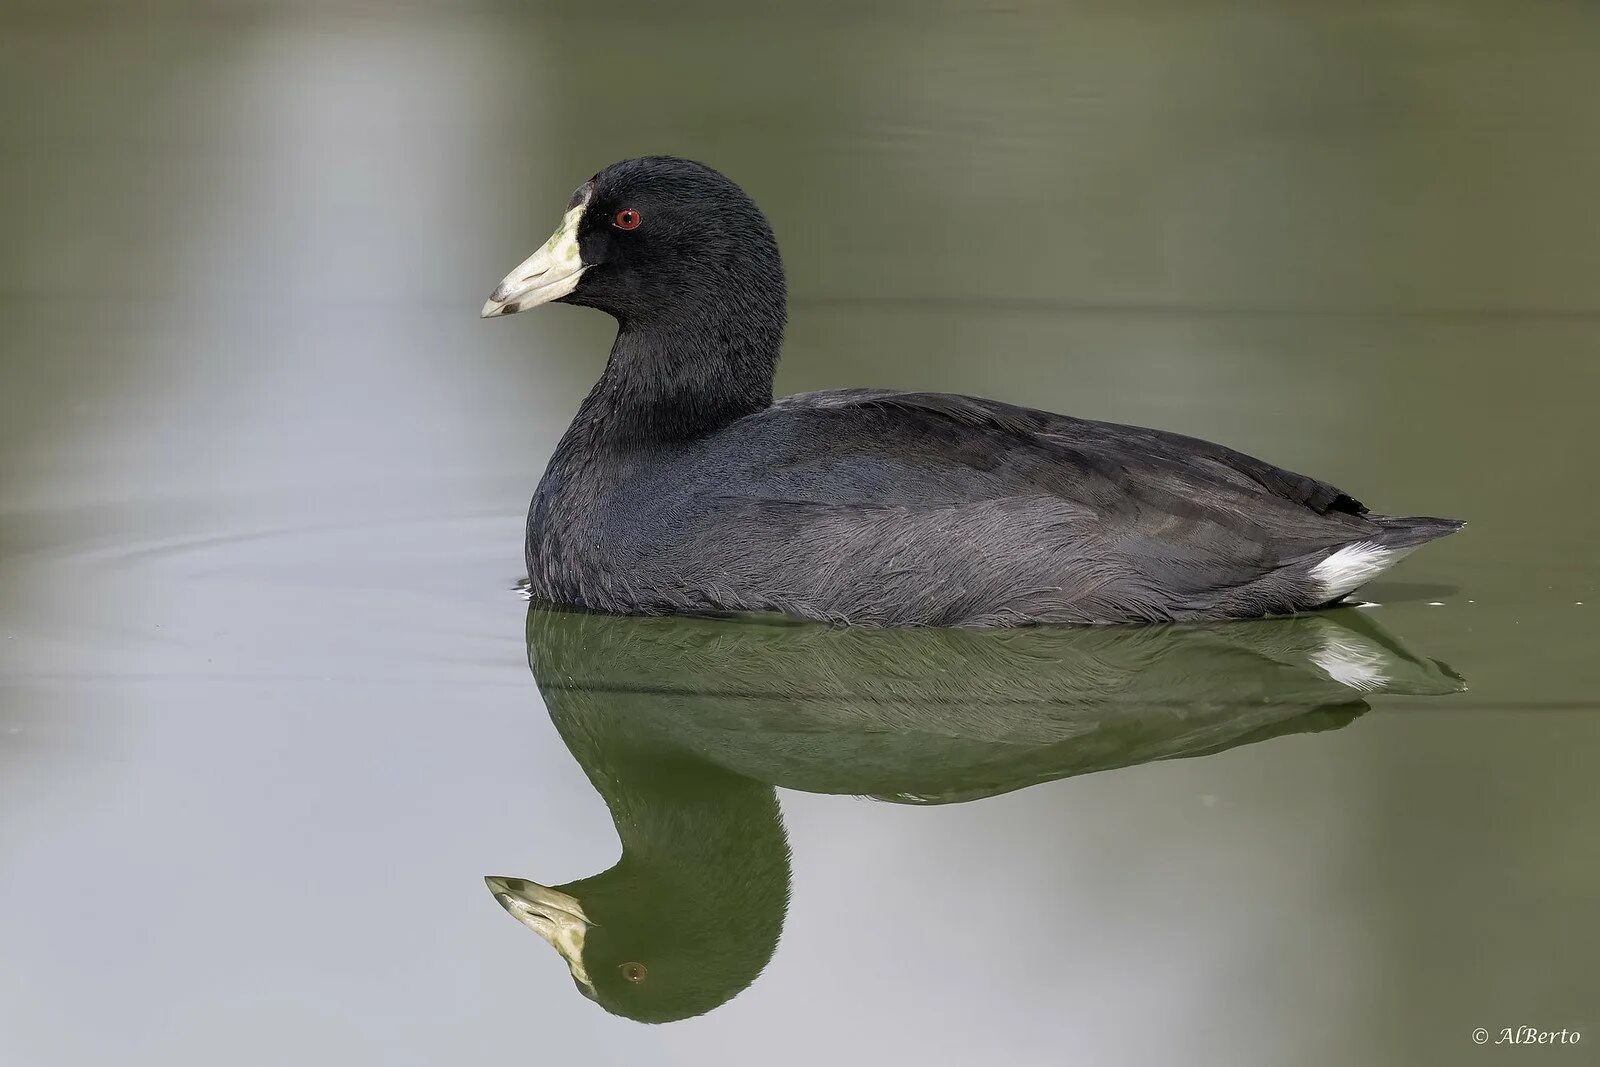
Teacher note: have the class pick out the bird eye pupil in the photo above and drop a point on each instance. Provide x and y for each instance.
(627, 219)
(633, 972)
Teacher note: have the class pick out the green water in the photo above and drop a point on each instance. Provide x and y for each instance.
(266, 710)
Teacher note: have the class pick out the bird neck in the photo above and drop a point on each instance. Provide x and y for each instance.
(694, 837)
(677, 380)
(688, 824)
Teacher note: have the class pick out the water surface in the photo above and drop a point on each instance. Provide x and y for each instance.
(266, 712)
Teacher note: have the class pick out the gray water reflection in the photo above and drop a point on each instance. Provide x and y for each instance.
(263, 473)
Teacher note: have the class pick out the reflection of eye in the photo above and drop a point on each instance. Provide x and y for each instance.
(633, 972)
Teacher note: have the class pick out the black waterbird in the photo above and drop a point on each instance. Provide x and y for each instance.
(682, 487)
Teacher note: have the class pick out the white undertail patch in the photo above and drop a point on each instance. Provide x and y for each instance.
(1351, 661)
(1353, 566)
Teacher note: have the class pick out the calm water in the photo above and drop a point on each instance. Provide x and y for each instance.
(266, 710)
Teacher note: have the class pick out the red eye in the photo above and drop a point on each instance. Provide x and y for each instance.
(627, 219)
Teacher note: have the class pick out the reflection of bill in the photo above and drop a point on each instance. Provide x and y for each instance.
(686, 725)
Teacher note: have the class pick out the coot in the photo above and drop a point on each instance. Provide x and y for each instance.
(682, 487)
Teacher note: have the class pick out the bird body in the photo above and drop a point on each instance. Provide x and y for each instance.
(681, 487)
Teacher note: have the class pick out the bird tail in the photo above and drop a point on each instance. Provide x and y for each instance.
(1409, 531)
(1351, 566)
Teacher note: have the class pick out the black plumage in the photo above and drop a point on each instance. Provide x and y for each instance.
(681, 487)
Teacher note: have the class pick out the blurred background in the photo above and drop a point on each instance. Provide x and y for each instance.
(265, 716)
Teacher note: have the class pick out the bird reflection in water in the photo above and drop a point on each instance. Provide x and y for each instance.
(685, 726)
